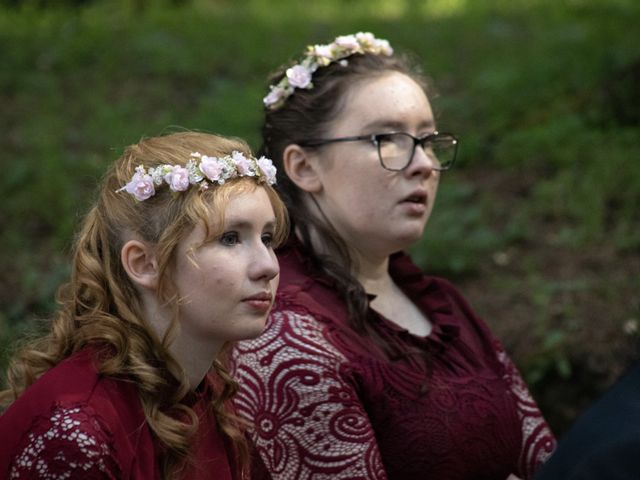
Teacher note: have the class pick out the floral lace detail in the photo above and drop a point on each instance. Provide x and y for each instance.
(538, 443)
(307, 421)
(68, 443)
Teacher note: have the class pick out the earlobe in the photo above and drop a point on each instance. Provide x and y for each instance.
(301, 168)
(140, 263)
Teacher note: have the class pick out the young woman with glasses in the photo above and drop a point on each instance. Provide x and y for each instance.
(369, 369)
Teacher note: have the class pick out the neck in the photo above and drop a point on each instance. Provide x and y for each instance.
(192, 352)
(195, 357)
(373, 274)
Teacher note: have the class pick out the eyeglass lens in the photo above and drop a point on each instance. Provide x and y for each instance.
(397, 149)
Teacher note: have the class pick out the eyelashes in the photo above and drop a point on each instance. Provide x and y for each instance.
(229, 239)
(232, 238)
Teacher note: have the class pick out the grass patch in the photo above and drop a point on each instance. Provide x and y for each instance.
(542, 93)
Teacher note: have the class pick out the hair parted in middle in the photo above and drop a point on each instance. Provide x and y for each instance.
(101, 306)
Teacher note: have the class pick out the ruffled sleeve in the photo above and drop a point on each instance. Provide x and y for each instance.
(302, 400)
(538, 442)
(69, 442)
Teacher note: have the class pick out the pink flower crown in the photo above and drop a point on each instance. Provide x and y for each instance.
(200, 171)
(300, 75)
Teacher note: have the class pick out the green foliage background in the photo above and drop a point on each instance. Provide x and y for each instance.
(543, 93)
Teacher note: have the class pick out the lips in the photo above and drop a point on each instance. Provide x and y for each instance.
(419, 197)
(260, 302)
(415, 204)
(262, 296)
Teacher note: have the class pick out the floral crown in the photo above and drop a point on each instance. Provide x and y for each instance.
(200, 171)
(299, 76)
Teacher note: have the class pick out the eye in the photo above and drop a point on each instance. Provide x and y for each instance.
(426, 137)
(229, 239)
(383, 138)
(267, 239)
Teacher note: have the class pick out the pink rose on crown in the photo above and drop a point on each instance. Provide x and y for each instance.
(243, 164)
(141, 185)
(177, 178)
(212, 167)
(318, 56)
(299, 76)
(348, 42)
(275, 96)
(268, 169)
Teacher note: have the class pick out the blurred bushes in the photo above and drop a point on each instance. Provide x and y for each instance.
(543, 94)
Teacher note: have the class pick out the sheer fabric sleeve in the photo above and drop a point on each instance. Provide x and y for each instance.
(538, 442)
(69, 442)
(301, 399)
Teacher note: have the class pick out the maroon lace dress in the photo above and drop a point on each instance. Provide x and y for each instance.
(73, 423)
(326, 403)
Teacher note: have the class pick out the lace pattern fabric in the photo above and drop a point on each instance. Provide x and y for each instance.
(300, 393)
(69, 442)
(308, 422)
(537, 441)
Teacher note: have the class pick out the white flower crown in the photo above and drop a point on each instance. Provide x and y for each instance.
(299, 76)
(200, 170)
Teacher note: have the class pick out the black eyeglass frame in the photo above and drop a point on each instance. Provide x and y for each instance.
(375, 139)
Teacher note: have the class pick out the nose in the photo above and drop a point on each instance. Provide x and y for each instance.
(422, 163)
(265, 264)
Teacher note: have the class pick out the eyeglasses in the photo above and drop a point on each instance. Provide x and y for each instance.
(396, 149)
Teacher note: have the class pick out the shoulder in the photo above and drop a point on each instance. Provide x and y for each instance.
(68, 440)
(71, 412)
(75, 380)
(300, 278)
(302, 288)
(288, 330)
(300, 396)
(71, 381)
(294, 352)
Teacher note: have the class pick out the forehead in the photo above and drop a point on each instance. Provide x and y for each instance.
(391, 99)
(242, 202)
(249, 205)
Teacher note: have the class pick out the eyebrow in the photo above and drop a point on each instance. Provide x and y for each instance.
(243, 224)
(396, 125)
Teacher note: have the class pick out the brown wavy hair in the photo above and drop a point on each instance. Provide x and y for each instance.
(100, 305)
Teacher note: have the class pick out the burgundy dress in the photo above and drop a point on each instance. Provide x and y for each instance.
(326, 403)
(73, 423)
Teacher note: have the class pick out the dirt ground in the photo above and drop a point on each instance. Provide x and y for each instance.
(553, 305)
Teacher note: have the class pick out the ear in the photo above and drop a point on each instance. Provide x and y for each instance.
(301, 168)
(140, 263)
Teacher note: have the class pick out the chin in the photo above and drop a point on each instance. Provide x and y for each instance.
(409, 238)
(254, 330)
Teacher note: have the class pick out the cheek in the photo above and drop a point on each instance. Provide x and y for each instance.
(222, 281)
(365, 187)
(356, 192)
